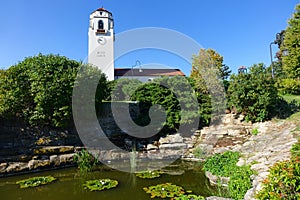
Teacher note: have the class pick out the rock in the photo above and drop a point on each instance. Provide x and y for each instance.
(66, 158)
(216, 198)
(54, 150)
(175, 146)
(35, 164)
(249, 194)
(16, 167)
(54, 160)
(3, 167)
(215, 180)
(171, 139)
(151, 147)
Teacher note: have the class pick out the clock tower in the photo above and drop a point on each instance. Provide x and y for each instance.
(101, 41)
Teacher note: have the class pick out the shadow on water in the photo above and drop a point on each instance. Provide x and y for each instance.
(69, 184)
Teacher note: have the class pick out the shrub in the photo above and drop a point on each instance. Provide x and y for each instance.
(225, 165)
(283, 181)
(222, 164)
(180, 109)
(85, 161)
(123, 88)
(240, 182)
(254, 93)
(39, 89)
(289, 86)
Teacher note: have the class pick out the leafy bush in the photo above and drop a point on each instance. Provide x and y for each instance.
(240, 182)
(123, 88)
(204, 102)
(85, 161)
(35, 181)
(39, 89)
(156, 92)
(289, 86)
(254, 93)
(225, 165)
(283, 181)
(102, 184)
(222, 164)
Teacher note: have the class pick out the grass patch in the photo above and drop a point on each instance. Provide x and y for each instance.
(291, 98)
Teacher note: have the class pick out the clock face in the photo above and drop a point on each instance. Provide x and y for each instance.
(101, 40)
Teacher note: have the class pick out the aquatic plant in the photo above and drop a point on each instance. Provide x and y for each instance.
(101, 184)
(85, 160)
(35, 181)
(189, 197)
(149, 174)
(165, 190)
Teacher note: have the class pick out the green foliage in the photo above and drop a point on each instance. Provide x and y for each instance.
(204, 102)
(254, 131)
(225, 165)
(254, 93)
(39, 89)
(165, 190)
(283, 181)
(295, 150)
(240, 182)
(123, 88)
(199, 153)
(291, 62)
(222, 164)
(102, 184)
(289, 86)
(209, 79)
(85, 160)
(189, 197)
(149, 174)
(157, 93)
(35, 181)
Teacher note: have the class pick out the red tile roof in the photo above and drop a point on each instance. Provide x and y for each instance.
(102, 9)
(148, 72)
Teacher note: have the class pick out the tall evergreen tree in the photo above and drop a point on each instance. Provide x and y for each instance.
(291, 62)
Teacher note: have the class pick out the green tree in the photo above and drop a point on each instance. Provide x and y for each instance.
(172, 93)
(291, 62)
(254, 93)
(39, 90)
(209, 76)
(209, 57)
(122, 89)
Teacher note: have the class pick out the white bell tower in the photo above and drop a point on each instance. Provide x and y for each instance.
(101, 41)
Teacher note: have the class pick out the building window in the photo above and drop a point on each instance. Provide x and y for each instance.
(100, 25)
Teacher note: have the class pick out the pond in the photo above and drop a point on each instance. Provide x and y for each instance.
(69, 184)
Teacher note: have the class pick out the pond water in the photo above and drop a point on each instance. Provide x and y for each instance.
(69, 184)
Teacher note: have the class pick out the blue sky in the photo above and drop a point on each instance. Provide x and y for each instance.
(240, 30)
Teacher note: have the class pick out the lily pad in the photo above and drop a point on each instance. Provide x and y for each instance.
(189, 197)
(165, 190)
(35, 181)
(100, 184)
(149, 174)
